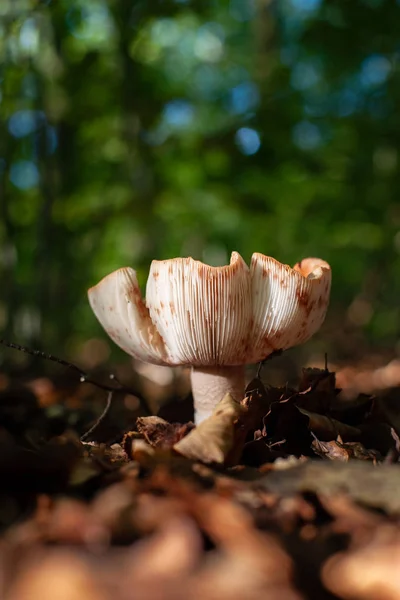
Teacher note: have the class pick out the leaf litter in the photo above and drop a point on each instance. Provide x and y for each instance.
(291, 493)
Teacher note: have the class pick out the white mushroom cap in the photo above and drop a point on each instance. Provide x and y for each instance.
(201, 312)
(117, 303)
(203, 316)
(289, 305)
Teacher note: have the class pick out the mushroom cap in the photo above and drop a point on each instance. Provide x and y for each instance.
(289, 304)
(117, 303)
(200, 315)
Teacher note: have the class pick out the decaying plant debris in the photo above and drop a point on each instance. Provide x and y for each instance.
(293, 493)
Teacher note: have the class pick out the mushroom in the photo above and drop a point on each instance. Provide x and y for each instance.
(214, 319)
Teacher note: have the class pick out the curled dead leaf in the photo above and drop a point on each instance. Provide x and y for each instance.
(211, 441)
(327, 429)
(331, 450)
(141, 450)
(321, 380)
(338, 450)
(160, 433)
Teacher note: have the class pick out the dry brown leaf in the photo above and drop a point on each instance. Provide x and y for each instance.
(171, 552)
(154, 512)
(350, 518)
(159, 567)
(58, 575)
(161, 434)
(141, 446)
(358, 479)
(369, 571)
(337, 450)
(327, 428)
(211, 441)
(331, 450)
(234, 577)
(249, 563)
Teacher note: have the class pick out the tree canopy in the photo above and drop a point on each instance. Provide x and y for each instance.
(134, 130)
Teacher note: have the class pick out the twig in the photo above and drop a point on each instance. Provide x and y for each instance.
(100, 419)
(261, 364)
(41, 354)
(83, 377)
(279, 443)
(259, 369)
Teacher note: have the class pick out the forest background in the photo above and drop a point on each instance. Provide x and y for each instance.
(134, 130)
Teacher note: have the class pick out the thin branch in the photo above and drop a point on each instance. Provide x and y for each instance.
(41, 354)
(261, 364)
(101, 417)
(83, 377)
(259, 369)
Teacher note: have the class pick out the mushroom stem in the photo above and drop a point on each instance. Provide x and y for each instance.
(211, 384)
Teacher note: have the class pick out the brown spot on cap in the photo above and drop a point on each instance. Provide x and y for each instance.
(302, 296)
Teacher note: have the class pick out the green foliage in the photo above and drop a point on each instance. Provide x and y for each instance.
(139, 130)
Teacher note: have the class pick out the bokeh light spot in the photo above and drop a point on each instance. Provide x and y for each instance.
(209, 45)
(375, 70)
(304, 76)
(244, 97)
(306, 135)
(24, 174)
(24, 122)
(305, 6)
(29, 36)
(248, 140)
(178, 113)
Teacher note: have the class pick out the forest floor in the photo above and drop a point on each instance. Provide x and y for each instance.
(293, 494)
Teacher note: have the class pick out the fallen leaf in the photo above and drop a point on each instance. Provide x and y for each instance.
(161, 434)
(320, 380)
(58, 575)
(328, 429)
(369, 570)
(286, 428)
(359, 480)
(338, 450)
(252, 564)
(211, 441)
(331, 450)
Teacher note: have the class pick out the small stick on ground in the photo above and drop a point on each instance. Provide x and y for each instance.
(100, 419)
(261, 364)
(83, 377)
